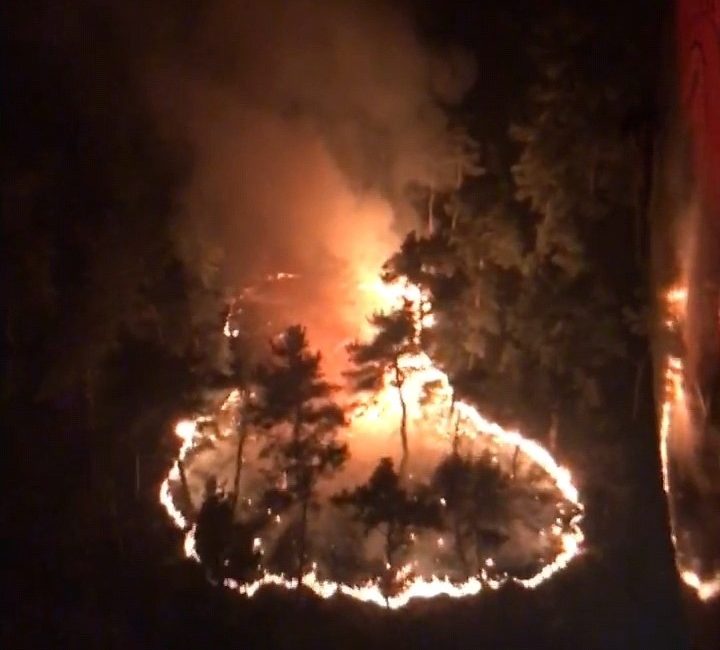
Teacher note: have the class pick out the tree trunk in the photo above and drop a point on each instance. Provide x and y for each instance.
(302, 541)
(292, 472)
(459, 544)
(242, 434)
(296, 428)
(302, 534)
(431, 220)
(456, 437)
(389, 545)
(456, 428)
(514, 462)
(388, 578)
(479, 551)
(403, 421)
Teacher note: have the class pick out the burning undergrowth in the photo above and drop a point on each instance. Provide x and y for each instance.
(460, 505)
(688, 448)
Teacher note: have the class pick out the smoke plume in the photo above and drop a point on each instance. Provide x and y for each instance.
(307, 122)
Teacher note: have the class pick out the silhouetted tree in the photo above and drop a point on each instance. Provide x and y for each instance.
(477, 502)
(383, 503)
(213, 530)
(301, 421)
(225, 546)
(470, 270)
(395, 336)
(242, 378)
(582, 178)
(449, 482)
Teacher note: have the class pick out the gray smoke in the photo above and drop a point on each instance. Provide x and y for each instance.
(307, 121)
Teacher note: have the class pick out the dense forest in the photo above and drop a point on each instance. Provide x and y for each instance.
(533, 250)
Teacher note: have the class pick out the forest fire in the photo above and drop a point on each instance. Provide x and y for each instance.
(675, 421)
(340, 324)
(424, 392)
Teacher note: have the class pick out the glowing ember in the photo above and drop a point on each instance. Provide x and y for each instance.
(420, 372)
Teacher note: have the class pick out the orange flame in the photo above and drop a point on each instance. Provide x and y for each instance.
(675, 405)
(420, 371)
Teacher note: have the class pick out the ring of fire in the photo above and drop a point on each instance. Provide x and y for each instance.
(468, 422)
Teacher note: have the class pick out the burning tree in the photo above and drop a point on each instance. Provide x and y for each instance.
(382, 503)
(395, 337)
(301, 421)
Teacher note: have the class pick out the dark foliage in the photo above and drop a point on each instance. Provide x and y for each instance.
(383, 503)
(476, 494)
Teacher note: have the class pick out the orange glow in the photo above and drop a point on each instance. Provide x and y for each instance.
(385, 407)
(673, 418)
(706, 589)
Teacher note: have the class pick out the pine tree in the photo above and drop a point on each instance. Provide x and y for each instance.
(383, 503)
(213, 531)
(242, 377)
(395, 337)
(476, 497)
(296, 411)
